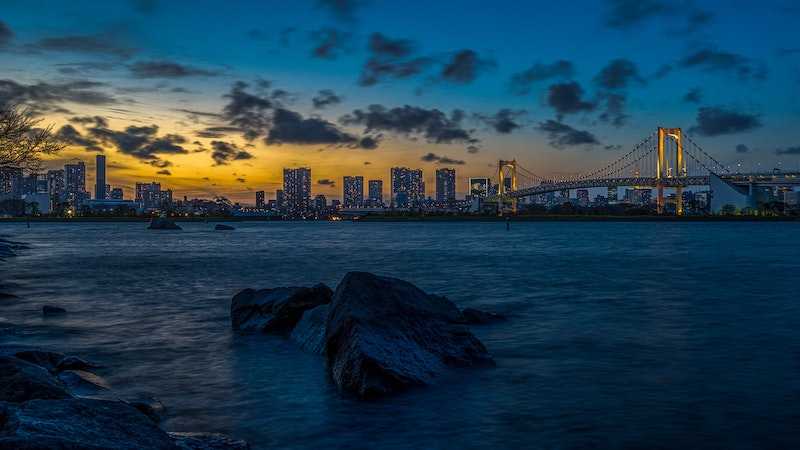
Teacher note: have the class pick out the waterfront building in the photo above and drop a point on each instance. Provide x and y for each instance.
(280, 199)
(375, 192)
(149, 196)
(612, 194)
(408, 187)
(35, 183)
(116, 194)
(297, 190)
(445, 185)
(10, 183)
(260, 199)
(320, 202)
(75, 180)
(335, 204)
(582, 196)
(100, 178)
(353, 191)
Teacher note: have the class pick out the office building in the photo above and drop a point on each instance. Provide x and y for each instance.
(353, 191)
(408, 187)
(445, 185)
(297, 190)
(260, 199)
(100, 178)
(35, 183)
(479, 187)
(75, 182)
(583, 197)
(375, 188)
(150, 196)
(11, 183)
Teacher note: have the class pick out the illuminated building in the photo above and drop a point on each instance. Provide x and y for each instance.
(297, 190)
(75, 181)
(583, 197)
(445, 185)
(479, 187)
(353, 191)
(100, 180)
(10, 182)
(259, 199)
(408, 187)
(375, 192)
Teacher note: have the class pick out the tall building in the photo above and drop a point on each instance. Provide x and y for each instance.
(55, 186)
(375, 192)
(75, 181)
(11, 182)
(353, 191)
(479, 187)
(445, 185)
(35, 183)
(613, 195)
(148, 195)
(280, 199)
(408, 187)
(100, 179)
(297, 190)
(260, 199)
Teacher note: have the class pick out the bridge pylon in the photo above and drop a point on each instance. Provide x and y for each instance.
(669, 136)
(507, 169)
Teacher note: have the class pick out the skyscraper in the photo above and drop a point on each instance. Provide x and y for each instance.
(375, 192)
(148, 195)
(100, 180)
(75, 181)
(408, 187)
(55, 186)
(353, 191)
(297, 190)
(11, 182)
(445, 185)
(260, 199)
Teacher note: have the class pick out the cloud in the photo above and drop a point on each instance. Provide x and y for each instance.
(164, 172)
(71, 136)
(289, 127)
(247, 111)
(719, 61)
(716, 121)
(167, 69)
(562, 135)
(613, 108)
(324, 98)
(741, 148)
(390, 58)
(627, 13)
(522, 82)
(217, 132)
(342, 9)
(241, 180)
(618, 74)
(695, 95)
(434, 158)
(788, 151)
(224, 152)
(503, 121)
(329, 43)
(44, 97)
(84, 68)
(160, 163)
(432, 124)
(141, 142)
(326, 182)
(92, 44)
(89, 120)
(6, 35)
(464, 66)
(565, 98)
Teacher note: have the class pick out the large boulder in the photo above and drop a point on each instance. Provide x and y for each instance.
(21, 381)
(275, 310)
(309, 333)
(384, 335)
(207, 441)
(48, 360)
(86, 384)
(162, 223)
(78, 424)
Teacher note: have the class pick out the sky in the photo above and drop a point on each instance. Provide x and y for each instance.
(214, 98)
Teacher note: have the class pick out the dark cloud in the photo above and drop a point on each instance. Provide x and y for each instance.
(390, 58)
(84, 68)
(167, 69)
(326, 182)
(224, 152)
(164, 172)
(627, 13)
(44, 97)
(716, 121)
(6, 35)
(719, 61)
(662, 71)
(464, 66)
(92, 44)
(522, 82)
(432, 124)
(217, 132)
(788, 151)
(503, 121)
(613, 104)
(160, 163)
(326, 97)
(741, 148)
(329, 43)
(141, 142)
(566, 98)
(434, 158)
(289, 127)
(247, 111)
(342, 9)
(473, 149)
(618, 74)
(89, 120)
(562, 135)
(369, 142)
(71, 136)
(695, 95)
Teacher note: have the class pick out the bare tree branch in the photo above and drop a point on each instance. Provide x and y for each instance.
(22, 142)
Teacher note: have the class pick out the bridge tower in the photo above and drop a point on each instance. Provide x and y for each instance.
(664, 169)
(507, 169)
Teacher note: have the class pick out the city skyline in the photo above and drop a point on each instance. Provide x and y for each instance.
(339, 87)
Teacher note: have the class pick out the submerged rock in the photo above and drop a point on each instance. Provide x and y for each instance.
(207, 441)
(223, 227)
(47, 360)
(309, 333)
(50, 310)
(162, 223)
(275, 310)
(477, 317)
(78, 424)
(384, 335)
(21, 381)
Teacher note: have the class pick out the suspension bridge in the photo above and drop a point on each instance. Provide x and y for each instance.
(666, 159)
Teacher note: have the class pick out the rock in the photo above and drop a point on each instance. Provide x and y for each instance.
(162, 223)
(74, 363)
(50, 310)
(207, 441)
(78, 424)
(223, 227)
(47, 360)
(477, 317)
(86, 384)
(21, 381)
(275, 310)
(385, 335)
(150, 407)
(309, 332)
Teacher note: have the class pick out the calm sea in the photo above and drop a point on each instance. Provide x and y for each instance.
(621, 335)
